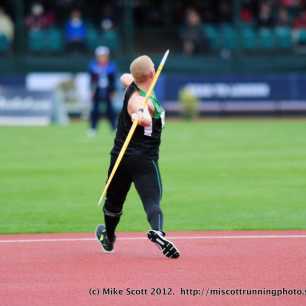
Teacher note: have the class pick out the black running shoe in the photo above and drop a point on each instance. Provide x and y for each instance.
(168, 248)
(107, 244)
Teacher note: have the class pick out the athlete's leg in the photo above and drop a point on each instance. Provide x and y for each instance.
(148, 183)
(115, 197)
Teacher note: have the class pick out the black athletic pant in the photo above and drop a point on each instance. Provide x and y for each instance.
(145, 175)
(95, 113)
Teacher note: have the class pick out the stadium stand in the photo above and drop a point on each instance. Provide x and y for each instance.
(198, 29)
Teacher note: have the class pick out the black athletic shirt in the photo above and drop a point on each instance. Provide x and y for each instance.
(145, 141)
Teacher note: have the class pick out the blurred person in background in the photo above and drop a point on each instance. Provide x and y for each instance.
(283, 18)
(102, 80)
(300, 21)
(291, 3)
(75, 32)
(265, 16)
(106, 25)
(299, 27)
(107, 11)
(109, 34)
(6, 26)
(38, 18)
(225, 12)
(194, 40)
(246, 13)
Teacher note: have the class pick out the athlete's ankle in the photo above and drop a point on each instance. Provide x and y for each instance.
(160, 232)
(111, 237)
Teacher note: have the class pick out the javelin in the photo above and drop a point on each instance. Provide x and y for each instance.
(133, 127)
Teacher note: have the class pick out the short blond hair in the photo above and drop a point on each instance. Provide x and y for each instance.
(141, 68)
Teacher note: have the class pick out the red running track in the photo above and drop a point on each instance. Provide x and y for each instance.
(60, 269)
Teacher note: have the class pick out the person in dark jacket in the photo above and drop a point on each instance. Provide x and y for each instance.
(102, 79)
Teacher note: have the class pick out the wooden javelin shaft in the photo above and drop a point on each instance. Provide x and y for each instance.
(133, 127)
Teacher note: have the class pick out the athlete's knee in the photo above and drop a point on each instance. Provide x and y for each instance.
(112, 210)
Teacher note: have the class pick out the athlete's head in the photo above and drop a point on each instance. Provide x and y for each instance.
(142, 69)
(102, 55)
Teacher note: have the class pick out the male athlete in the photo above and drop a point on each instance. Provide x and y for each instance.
(140, 162)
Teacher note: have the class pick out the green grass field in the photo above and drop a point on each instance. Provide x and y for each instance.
(220, 174)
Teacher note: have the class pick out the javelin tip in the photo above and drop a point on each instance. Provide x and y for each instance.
(165, 57)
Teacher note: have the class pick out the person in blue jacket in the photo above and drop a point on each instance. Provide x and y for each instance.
(103, 80)
(75, 32)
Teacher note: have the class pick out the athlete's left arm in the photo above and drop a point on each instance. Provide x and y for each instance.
(126, 79)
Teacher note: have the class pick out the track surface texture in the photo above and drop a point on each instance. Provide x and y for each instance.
(60, 269)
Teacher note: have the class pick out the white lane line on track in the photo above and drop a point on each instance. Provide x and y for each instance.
(208, 237)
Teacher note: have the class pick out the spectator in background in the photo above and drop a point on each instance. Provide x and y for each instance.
(299, 28)
(108, 12)
(109, 34)
(6, 26)
(107, 25)
(194, 40)
(291, 3)
(265, 17)
(102, 80)
(38, 19)
(246, 14)
(283, 18)
(75, 32)
(225, 12)
(300, 22)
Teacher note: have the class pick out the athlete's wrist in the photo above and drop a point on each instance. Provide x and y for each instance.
(139, 115)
